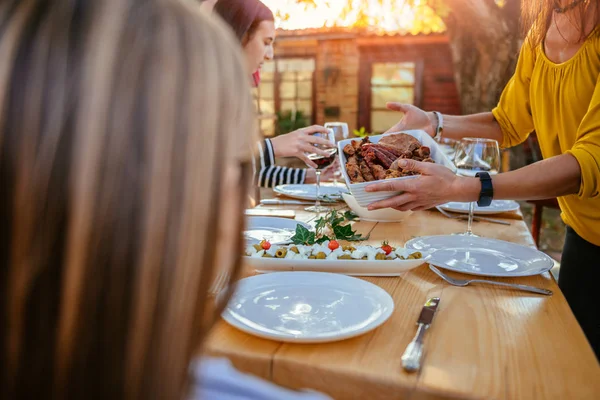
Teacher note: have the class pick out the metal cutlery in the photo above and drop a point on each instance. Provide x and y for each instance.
(280, 202)
(411, 359)
(465, 282)
(475, 218)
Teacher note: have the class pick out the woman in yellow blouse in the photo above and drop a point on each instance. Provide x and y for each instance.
(556, 92)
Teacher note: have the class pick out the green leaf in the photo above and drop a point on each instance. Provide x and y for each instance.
(343, 232)
(303, 236)
(320, 223)
(350, 215)
(323, 239)
(358, 238)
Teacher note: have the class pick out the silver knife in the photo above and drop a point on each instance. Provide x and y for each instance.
(278, 202)
(411, 359)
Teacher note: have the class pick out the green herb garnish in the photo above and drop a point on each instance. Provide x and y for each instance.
(335, 223)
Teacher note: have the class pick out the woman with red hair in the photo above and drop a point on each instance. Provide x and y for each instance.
(254, 25)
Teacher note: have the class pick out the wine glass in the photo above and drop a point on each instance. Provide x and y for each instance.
(322, 163)
(341, 132)
(475, 155)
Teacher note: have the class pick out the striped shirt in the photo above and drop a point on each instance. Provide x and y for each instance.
(269, 175)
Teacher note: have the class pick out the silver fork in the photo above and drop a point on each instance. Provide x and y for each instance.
(465, 282)
(475, 218)
(219, 283)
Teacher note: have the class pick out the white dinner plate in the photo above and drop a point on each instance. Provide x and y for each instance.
(309, 191)
(347, 267)
(482, 256)
(497, 207)
(307, 307)
(273, 229)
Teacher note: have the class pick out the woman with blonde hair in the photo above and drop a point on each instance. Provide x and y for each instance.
(124, 170)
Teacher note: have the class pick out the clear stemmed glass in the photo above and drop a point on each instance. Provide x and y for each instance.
(476, 155)
(322, 163)
(341, 132)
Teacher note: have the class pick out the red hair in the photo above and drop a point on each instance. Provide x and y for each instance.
(243, 16)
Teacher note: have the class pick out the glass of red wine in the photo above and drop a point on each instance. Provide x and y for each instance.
(322, 163)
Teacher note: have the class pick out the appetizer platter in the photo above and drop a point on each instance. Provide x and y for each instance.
(332, 247)
(376, 158)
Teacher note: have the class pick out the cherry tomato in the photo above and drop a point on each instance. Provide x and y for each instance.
(265, 245)
(333, 244)
(386, 248)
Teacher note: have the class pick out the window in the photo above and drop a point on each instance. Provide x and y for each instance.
(390, 82)
(286, 86)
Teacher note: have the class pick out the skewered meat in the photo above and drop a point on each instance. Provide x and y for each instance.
(383, 158)
(391, 151)
(377, 170)
(353, 171)
(349, 149)
(368, 161)
(352, 160)
(365, 171)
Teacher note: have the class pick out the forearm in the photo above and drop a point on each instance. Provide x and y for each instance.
(475, 125)
(553, 177)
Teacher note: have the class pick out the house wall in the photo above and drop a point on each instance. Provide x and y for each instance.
(342, 71)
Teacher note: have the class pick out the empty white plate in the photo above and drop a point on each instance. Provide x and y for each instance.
(273, 229)
(307, 307)
(497, 207)
(309, 191)
(482, 256)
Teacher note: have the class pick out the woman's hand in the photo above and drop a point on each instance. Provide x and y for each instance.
(414, 118)
(300, 142)
(436, 185)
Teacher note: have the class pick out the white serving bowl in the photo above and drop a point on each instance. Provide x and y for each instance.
(385, 215)
(364, 198)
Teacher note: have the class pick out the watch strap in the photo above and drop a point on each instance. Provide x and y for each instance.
(486, 195)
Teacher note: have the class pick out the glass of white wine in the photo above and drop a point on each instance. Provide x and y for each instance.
(475, 155)
(322, 163)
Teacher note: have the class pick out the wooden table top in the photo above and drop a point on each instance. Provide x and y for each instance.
(485, 343)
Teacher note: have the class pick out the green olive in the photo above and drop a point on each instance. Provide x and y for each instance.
(281, 253)
(258, 247)
(345, 257)
(294, 249)
(321, 256)
(380, 256)
(267, 255)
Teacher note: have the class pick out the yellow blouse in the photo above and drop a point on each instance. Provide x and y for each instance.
(561, 102)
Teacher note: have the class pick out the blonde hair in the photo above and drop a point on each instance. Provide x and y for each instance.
(117, 120)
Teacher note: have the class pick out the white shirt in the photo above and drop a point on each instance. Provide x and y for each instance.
(216, 379)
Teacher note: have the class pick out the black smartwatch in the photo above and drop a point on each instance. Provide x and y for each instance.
(487, 190)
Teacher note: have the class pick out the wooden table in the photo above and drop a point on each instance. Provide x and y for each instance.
(485, 343)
